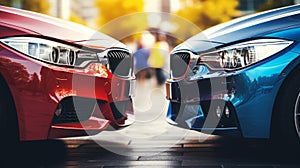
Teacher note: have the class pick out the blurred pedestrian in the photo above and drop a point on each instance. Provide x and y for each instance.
(159, 56)
(141, 56)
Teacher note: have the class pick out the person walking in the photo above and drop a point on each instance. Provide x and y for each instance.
(141, 56)
(158, 58)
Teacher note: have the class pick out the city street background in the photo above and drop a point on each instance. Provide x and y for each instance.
(150, 141)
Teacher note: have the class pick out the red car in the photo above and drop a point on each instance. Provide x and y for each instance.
(60, 79)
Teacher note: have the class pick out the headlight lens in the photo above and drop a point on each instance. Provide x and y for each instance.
(53, 52)
(243, 54)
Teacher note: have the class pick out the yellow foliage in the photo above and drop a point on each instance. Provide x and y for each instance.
(76, 18)
(121, 18)
(206, 13)
(111, 9)
(41, 6)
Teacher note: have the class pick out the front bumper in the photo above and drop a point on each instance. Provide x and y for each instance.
(110, 108)
(192, 106)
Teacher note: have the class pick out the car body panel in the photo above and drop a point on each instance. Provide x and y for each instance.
(50, 27)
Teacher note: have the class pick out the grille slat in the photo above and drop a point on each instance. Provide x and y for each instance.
(75, 109)
(179, 64)
(119, 62)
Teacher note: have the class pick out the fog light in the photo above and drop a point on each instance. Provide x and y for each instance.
(58, 110)
(219, 111)
(227, 112)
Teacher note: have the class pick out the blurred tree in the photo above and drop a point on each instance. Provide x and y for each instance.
(77, 19)
(112, 9)
(271, 4)
(41, 6)
(6, 2)
(121, 17)
(206, 13)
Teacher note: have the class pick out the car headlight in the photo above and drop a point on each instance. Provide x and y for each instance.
(54, 52)
(243, 54)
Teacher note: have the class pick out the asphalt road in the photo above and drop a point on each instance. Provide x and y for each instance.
(213, 153)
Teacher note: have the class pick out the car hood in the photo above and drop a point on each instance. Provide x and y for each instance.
(31, 23)
(252, 26)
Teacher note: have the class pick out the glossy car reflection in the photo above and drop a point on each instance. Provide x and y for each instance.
(60, 79)
(240, 78)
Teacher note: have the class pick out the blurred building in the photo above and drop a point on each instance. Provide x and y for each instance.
(161, 5)
(85, 9)
(60, 8)
(250, 6)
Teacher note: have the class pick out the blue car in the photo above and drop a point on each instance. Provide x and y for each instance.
(240, 78)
